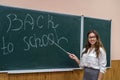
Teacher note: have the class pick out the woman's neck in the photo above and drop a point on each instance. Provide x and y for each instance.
(92, 46)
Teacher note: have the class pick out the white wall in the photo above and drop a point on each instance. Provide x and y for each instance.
(105, 9)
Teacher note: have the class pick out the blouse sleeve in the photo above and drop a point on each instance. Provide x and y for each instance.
(81, 59)
(102, 60)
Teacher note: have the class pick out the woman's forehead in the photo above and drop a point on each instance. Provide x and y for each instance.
(92, 34)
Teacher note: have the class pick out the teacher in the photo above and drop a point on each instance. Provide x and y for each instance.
(93, 57)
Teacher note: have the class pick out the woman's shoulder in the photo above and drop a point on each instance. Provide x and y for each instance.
(83, 49)
(102, 50)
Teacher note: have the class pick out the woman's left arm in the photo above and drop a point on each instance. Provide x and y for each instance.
(100, 76)
(102, 63)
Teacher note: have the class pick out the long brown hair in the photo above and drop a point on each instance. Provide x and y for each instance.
(98, 43)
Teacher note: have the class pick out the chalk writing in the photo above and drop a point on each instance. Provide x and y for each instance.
(7, 48)
(29, 22)
(14, 19)
(33, 40)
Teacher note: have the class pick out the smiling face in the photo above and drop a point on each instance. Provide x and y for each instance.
(92, 39)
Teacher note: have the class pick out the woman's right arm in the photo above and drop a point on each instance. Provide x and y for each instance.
(74, 57)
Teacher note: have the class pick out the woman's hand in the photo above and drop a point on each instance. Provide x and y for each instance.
(74, 57)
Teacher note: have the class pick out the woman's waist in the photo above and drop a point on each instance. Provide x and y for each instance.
(90, 66)
(93, 68)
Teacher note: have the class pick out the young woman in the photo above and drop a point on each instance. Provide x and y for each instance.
(93, 57)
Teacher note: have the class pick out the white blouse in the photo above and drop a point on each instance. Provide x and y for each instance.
(90, 59)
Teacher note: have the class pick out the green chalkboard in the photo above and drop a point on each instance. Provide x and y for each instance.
(103, 27)
(31, 39)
